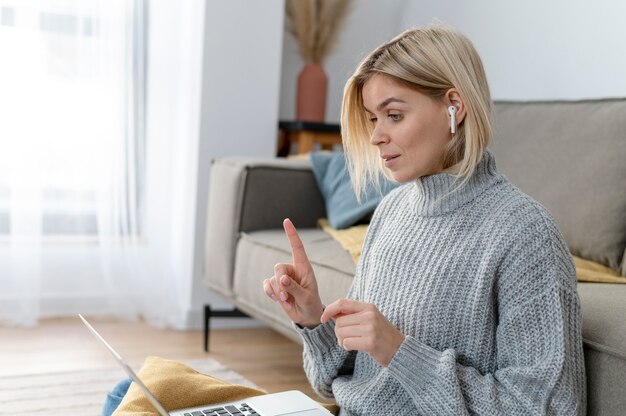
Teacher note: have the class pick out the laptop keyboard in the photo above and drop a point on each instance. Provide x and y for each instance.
(242, 410)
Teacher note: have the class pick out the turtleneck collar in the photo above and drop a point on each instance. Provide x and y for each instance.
(440, 193)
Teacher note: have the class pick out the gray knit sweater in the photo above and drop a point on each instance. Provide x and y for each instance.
(483, 287)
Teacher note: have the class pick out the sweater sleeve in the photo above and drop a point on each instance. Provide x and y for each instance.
(539, 352)
(324, 360)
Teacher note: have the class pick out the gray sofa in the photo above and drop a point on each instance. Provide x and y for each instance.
(571, 156)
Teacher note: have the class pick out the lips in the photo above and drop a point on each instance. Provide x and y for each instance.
(389, 157)
(390, 160)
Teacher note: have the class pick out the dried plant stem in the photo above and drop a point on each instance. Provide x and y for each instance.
(316, 25)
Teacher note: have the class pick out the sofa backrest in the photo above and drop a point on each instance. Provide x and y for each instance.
(571, 157)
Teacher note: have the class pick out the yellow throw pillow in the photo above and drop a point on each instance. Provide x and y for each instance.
(177, 386)
(589, 271)
(351, 238)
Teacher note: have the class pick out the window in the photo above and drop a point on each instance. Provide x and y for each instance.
(72, 134)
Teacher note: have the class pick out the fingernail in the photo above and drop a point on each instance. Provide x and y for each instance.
(285, 280)
(283, 296)
(273, 296)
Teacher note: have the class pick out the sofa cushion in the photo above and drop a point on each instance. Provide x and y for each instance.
(586, 140)
(604, 337)
(603, 307)
(259, 251)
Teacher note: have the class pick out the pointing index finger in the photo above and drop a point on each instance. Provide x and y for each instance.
(297, 248)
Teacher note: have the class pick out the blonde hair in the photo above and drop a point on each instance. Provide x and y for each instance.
(430, 60)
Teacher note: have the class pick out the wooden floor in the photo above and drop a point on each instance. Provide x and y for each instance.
(263, 356)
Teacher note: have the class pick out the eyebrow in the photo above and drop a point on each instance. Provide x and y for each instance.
(386, 103)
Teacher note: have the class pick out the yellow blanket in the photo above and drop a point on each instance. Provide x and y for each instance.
(352, 239)
(177, 386)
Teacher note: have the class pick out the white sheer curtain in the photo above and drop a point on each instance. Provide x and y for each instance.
(73, 230)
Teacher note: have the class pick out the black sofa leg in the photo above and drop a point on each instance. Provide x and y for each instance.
(207, 322)
(209, 313)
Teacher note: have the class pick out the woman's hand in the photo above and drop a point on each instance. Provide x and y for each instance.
(294, 286)
(360, 326)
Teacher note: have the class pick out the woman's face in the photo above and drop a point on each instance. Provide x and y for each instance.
(410, 128)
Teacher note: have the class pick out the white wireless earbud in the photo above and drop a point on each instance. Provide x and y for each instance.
(452, 111)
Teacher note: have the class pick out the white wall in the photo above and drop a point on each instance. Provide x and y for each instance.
(534, 49)
(240, 96)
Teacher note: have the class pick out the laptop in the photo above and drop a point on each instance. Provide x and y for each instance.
(292, 403)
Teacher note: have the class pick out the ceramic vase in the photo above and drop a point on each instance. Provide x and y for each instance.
(311, 93)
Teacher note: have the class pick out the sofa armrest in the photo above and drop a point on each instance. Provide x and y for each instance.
(254, 194)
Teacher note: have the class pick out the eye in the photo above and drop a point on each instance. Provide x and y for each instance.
(395, 117)
(373, 119)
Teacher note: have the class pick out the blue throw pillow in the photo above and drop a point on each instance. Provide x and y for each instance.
(342, 208)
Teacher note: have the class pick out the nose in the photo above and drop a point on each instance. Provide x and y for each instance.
(379, 136)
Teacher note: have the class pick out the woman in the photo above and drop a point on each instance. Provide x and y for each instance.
(464, 300)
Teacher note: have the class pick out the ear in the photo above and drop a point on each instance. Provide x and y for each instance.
(453, 97)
